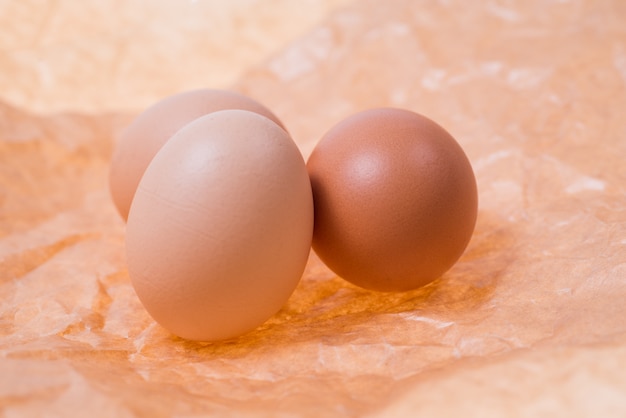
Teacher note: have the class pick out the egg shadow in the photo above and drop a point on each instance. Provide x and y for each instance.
(323, 304)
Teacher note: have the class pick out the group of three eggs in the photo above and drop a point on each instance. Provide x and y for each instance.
(222, 209)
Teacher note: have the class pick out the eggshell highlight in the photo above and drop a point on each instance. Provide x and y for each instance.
(220, 228)
(395, 199)
(143, 138)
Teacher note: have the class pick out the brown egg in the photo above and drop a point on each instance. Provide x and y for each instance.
(140, 142)
(395, 199)
(220, 228)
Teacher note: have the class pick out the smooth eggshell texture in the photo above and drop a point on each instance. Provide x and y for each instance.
(220, 228)
(140, 142)
(395, 199)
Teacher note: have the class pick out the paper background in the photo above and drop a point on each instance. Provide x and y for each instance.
(530, 322)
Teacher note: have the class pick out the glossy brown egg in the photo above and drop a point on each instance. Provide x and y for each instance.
(395, 199)
(145, 136)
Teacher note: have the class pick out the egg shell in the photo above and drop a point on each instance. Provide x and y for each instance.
(143, 138)
(395, 199)
(220, 228)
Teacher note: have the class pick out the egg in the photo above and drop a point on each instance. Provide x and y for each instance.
(395, 199)
(140, 141)
(220, 228)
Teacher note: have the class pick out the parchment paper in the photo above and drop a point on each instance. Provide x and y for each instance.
(530, 322)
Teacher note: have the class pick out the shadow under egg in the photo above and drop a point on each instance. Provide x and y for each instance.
(324, 305)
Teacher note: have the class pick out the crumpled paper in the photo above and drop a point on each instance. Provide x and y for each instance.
(530, 322)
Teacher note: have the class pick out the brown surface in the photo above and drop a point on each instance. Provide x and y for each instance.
(530, 322)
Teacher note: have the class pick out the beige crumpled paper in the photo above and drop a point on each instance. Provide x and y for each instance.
(530, 322)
